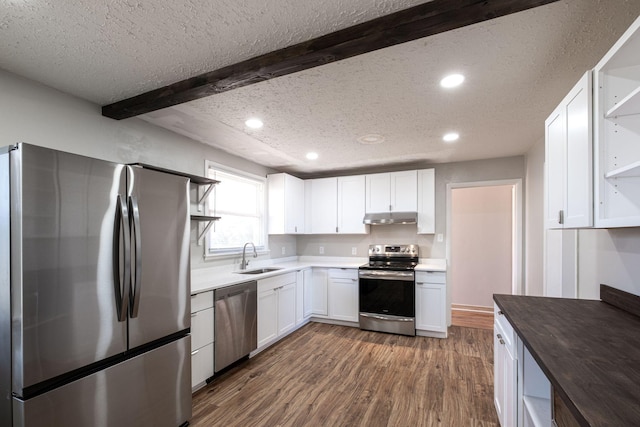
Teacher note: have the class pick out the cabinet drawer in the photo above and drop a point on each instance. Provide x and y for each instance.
(201, 365)
(431, 277)
(201, 328)
(276, 281)
(343, 273)
(201, 301)
(504, 328)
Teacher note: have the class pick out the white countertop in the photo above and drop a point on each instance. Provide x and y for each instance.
(207, 279)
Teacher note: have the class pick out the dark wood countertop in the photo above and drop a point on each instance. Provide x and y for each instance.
(589, 351)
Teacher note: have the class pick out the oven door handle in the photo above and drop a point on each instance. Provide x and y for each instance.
(394, 319)
(407, 276)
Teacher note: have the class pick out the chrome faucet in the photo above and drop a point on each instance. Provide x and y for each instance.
(245, 261)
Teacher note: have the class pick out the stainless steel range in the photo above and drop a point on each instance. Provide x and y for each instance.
(387, 289)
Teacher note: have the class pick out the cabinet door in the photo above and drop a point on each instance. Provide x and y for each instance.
(579, 176)
(324, 205)
(378, 192)
(294, 205)
(569, 159)
(499, 351)
(267, 316)
(308, 292)
(404, 191)
(426, 201)
(299, 297)
(343, 299)
(351, 205)
(555, 164)
(510, 373)
(201, 365)
(431, 307)
(319, 291)
(286, 308)
(201, 328)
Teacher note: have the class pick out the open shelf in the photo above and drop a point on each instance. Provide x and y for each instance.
(630, 104)
(203, 218)
(196, 179)
(628, 171)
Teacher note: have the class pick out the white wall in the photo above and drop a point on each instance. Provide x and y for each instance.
(39, 115)
(534, 220)
(481, 244)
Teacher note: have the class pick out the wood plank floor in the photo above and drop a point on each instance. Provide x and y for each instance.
(472, 318)
(328, 375)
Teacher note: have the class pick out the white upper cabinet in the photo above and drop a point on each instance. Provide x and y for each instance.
(392, 191)
(286, 204)
(426, 201)
(351, 208)
(322, 205)
(617, 133)
(335, 205)
(569, 165)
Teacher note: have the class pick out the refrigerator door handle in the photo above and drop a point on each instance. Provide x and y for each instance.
(121, 280)
(137, 252)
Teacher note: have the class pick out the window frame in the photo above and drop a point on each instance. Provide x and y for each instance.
(232, 252)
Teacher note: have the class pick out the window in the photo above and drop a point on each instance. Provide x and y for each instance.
(240, 202)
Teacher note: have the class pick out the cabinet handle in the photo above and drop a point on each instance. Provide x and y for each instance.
(295, 228)
(390, 208)
(499, 336)
(194, 352)
(336, 229)
(194, 314)
(502, 342)
(500, 313)
(561, 217)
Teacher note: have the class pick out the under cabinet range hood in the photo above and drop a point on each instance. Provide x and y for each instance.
(384, 218)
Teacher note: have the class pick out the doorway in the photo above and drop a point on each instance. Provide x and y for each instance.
(484, 247)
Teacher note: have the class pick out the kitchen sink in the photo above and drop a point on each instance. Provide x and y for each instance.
(259, 270)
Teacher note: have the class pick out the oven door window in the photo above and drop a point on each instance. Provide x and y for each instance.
(394, 297)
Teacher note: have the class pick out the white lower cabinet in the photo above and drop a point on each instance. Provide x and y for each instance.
(319, 285)
(276, 307)
(299, 297)
(308, 293)
(431, 303)
(521, 391)
(343, 294)
(505, 376)
(201, 338)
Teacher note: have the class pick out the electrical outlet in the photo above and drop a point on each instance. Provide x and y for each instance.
(440, 237)
(284, 250)
(321, 250)
(354, 251)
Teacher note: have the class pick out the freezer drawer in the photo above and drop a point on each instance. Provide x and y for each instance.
(152, 389)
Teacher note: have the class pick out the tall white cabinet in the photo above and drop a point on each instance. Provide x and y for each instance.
(568, 137)
(286, 204)
(617, 133)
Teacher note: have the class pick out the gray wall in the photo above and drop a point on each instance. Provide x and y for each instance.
(37, 114)
(534, 220)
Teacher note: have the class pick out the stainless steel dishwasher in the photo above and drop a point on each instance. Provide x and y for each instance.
(236, 323)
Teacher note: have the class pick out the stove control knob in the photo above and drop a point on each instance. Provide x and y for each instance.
(402, 250)
(377, 249)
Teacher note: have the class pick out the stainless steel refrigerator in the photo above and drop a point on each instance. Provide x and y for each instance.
(94, 292)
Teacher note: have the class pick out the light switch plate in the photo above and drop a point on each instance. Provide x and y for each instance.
(354, 251)
(321, 250)
(440, 237)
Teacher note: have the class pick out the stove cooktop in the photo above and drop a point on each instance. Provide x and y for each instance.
(392, 257)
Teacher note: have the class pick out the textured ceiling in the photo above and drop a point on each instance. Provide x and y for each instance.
(517, 69)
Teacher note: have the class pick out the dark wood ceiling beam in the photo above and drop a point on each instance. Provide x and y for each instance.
(414, 23)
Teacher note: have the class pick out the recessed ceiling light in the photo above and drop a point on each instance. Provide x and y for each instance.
(371, 139)
(312, 156)
(450, 137)
(452, 80)
(254, 123)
